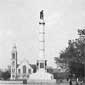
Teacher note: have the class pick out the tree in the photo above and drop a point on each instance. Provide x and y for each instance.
(74, 55)
(61, 63)
(6, 75)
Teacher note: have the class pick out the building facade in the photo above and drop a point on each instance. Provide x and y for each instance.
(24, 70)
(19, 71)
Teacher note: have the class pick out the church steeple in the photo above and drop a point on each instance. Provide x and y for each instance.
(14, 63)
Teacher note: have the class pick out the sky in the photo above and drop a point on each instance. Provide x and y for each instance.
(19, 23)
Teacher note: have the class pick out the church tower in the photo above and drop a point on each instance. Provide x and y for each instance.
(14, 63)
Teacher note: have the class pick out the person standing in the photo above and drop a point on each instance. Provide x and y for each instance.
(70, 82)
(77, 81)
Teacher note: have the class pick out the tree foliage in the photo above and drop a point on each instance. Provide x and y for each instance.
(6, 75)
(75, 52)
(74, 56)
(63, 67)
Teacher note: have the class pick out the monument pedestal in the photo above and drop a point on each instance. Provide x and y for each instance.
(41, 73)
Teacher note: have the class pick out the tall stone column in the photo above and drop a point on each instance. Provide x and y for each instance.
(41, 62)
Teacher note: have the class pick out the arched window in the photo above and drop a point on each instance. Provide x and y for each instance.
(13, 63)
(19, 71)
(13, 70)
(24, 69)
(29, 71)
(13, 76)
(13, 55)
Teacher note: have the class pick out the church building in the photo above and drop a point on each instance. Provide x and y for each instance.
(22, 70)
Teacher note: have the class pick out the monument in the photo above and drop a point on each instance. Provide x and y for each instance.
(41, 73)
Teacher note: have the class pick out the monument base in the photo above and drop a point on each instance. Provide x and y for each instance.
(41, 74)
